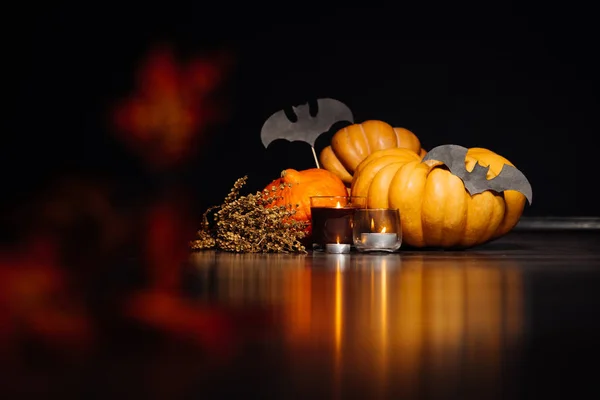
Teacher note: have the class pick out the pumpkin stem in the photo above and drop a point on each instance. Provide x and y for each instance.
(432, 163)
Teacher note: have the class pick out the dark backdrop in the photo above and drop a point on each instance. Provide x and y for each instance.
(519, 78)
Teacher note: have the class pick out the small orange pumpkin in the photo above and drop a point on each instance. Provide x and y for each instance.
(352, 144)
(295, 188)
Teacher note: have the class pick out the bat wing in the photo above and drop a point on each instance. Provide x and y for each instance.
(277, 126)
(510, 178)
(330, 112)
(453, 156)
(307, 128)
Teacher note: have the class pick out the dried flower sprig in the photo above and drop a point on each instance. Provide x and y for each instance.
(251, 224)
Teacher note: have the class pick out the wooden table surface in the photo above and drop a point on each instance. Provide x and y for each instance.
(514, 319)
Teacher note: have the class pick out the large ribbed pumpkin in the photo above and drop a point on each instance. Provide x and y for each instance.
(352, 144)
(295, 188)
(435, 208)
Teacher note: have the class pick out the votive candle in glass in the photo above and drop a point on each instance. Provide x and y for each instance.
(377, 229)
(332, 219)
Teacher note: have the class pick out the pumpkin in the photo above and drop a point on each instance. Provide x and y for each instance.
(436, 209)
(350, 145)
(295, 188)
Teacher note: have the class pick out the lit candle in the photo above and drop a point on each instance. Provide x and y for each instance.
(331, 224)
(337, 248)
(381, 240)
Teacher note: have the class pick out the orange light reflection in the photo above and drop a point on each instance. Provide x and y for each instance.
(339, 303)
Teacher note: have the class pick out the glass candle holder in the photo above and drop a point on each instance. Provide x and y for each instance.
(332, 221)
(377, 229)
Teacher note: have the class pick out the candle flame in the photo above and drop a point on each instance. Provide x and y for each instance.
(372, 225)
(383, 230)
(338, 205)
(337, 239)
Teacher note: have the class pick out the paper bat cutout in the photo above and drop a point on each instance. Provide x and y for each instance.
(307, 128)
(509, 178)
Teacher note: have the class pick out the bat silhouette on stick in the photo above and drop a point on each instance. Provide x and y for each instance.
(307, 128)
(509, 178)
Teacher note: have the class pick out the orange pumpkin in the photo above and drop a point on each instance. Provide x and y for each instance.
(352, 144)
(295, 188)
(435, 208)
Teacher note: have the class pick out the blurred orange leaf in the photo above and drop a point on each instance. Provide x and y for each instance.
(36, 299)
(172, 105)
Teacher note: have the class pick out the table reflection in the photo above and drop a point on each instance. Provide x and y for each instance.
(381, 322)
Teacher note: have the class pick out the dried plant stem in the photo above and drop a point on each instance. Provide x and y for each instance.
(251, 224)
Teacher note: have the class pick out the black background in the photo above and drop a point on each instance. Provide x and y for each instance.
(519, 78)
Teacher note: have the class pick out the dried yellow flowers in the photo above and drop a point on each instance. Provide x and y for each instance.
(250, 224)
